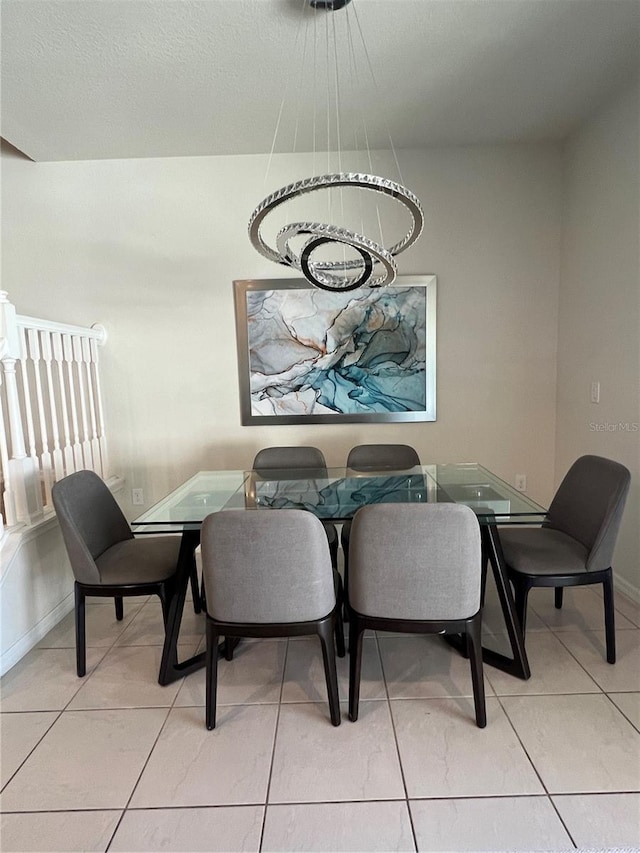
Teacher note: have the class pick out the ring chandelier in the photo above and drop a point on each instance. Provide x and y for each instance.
(376, 265)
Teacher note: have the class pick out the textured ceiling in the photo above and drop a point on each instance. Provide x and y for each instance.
(94, 79)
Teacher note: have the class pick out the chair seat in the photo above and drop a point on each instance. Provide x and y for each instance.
(542, 551)
(146, 560)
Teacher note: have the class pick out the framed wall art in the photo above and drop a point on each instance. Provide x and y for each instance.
(312, 356)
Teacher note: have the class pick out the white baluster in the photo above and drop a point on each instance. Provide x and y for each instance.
(23, 499)
(8, 496)
(58, 458)
(95, 444)
(68, 448)
(45, 457)
(80, 365)
(102, 437)
(51, 416)
(26, 390)
(67, 349)
(22, 469)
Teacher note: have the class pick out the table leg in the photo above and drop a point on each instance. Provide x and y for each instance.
(518, 665)
(170, 668)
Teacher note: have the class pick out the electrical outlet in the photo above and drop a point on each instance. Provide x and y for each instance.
(137, 497)
(595, 392)
(521, 482)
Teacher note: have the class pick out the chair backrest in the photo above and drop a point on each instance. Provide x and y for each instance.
(91, 521)
(588, 506)
(282, 458)
(415, 561)
(371, 457)
(262, 566)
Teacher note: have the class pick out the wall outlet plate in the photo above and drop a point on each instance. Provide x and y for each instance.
(520, 481)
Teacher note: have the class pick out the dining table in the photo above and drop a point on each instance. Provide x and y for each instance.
(335, 495)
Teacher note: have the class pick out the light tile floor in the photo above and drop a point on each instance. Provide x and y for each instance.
(115, 762)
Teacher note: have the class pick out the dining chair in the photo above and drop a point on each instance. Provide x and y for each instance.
(375, 457)
(269, 574)
(416, 568)
(309, 459)
(380, 457)
(575, 544)
(106, 559)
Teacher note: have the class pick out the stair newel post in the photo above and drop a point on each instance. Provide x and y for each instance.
(24, 496)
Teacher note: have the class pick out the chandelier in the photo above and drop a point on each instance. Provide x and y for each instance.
(331, 256)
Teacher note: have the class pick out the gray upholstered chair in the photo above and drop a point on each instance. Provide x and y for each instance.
(416, 568)
(375, 457)
(269, 574)
(380, 457)
(575, 544)
(105, 557)
(309, 459)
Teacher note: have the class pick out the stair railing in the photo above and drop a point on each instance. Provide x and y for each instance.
(51, 415)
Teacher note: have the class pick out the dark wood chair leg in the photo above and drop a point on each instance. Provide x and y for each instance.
(81, 635)
(609, 617)
(333, 550)
(521, 593)
(483, 576)
(326, 630)
(229, 645)
(163, 595)
(340, 646)
(211, 676)
(345, 574)
(195, 588)
(119, 608)
(559, 590)
(474, 646)
(356, 632)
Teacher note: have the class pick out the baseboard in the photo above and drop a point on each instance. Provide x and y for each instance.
(626, 588)
(19, 649)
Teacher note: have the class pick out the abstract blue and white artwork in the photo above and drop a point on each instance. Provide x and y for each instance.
(312, 356)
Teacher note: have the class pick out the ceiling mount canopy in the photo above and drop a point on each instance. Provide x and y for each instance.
(337, 254)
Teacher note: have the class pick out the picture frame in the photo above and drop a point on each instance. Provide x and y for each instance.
(309, 356)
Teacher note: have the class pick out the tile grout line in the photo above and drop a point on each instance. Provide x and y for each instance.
(395, 738)
(622, 712)
(581, 665)
(273, 749)
(37, 743)
(60, 711)
(148, 758)
(535, 769)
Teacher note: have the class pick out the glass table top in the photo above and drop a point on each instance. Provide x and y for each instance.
(335, 494)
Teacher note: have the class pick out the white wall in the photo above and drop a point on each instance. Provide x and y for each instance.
(36, 589)
(149, 248)
(599, 316)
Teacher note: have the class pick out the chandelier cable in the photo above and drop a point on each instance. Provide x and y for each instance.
(282, 103)
(377, 88)
(375, 265)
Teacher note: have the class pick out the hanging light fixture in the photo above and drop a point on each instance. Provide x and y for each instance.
(297, 243)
